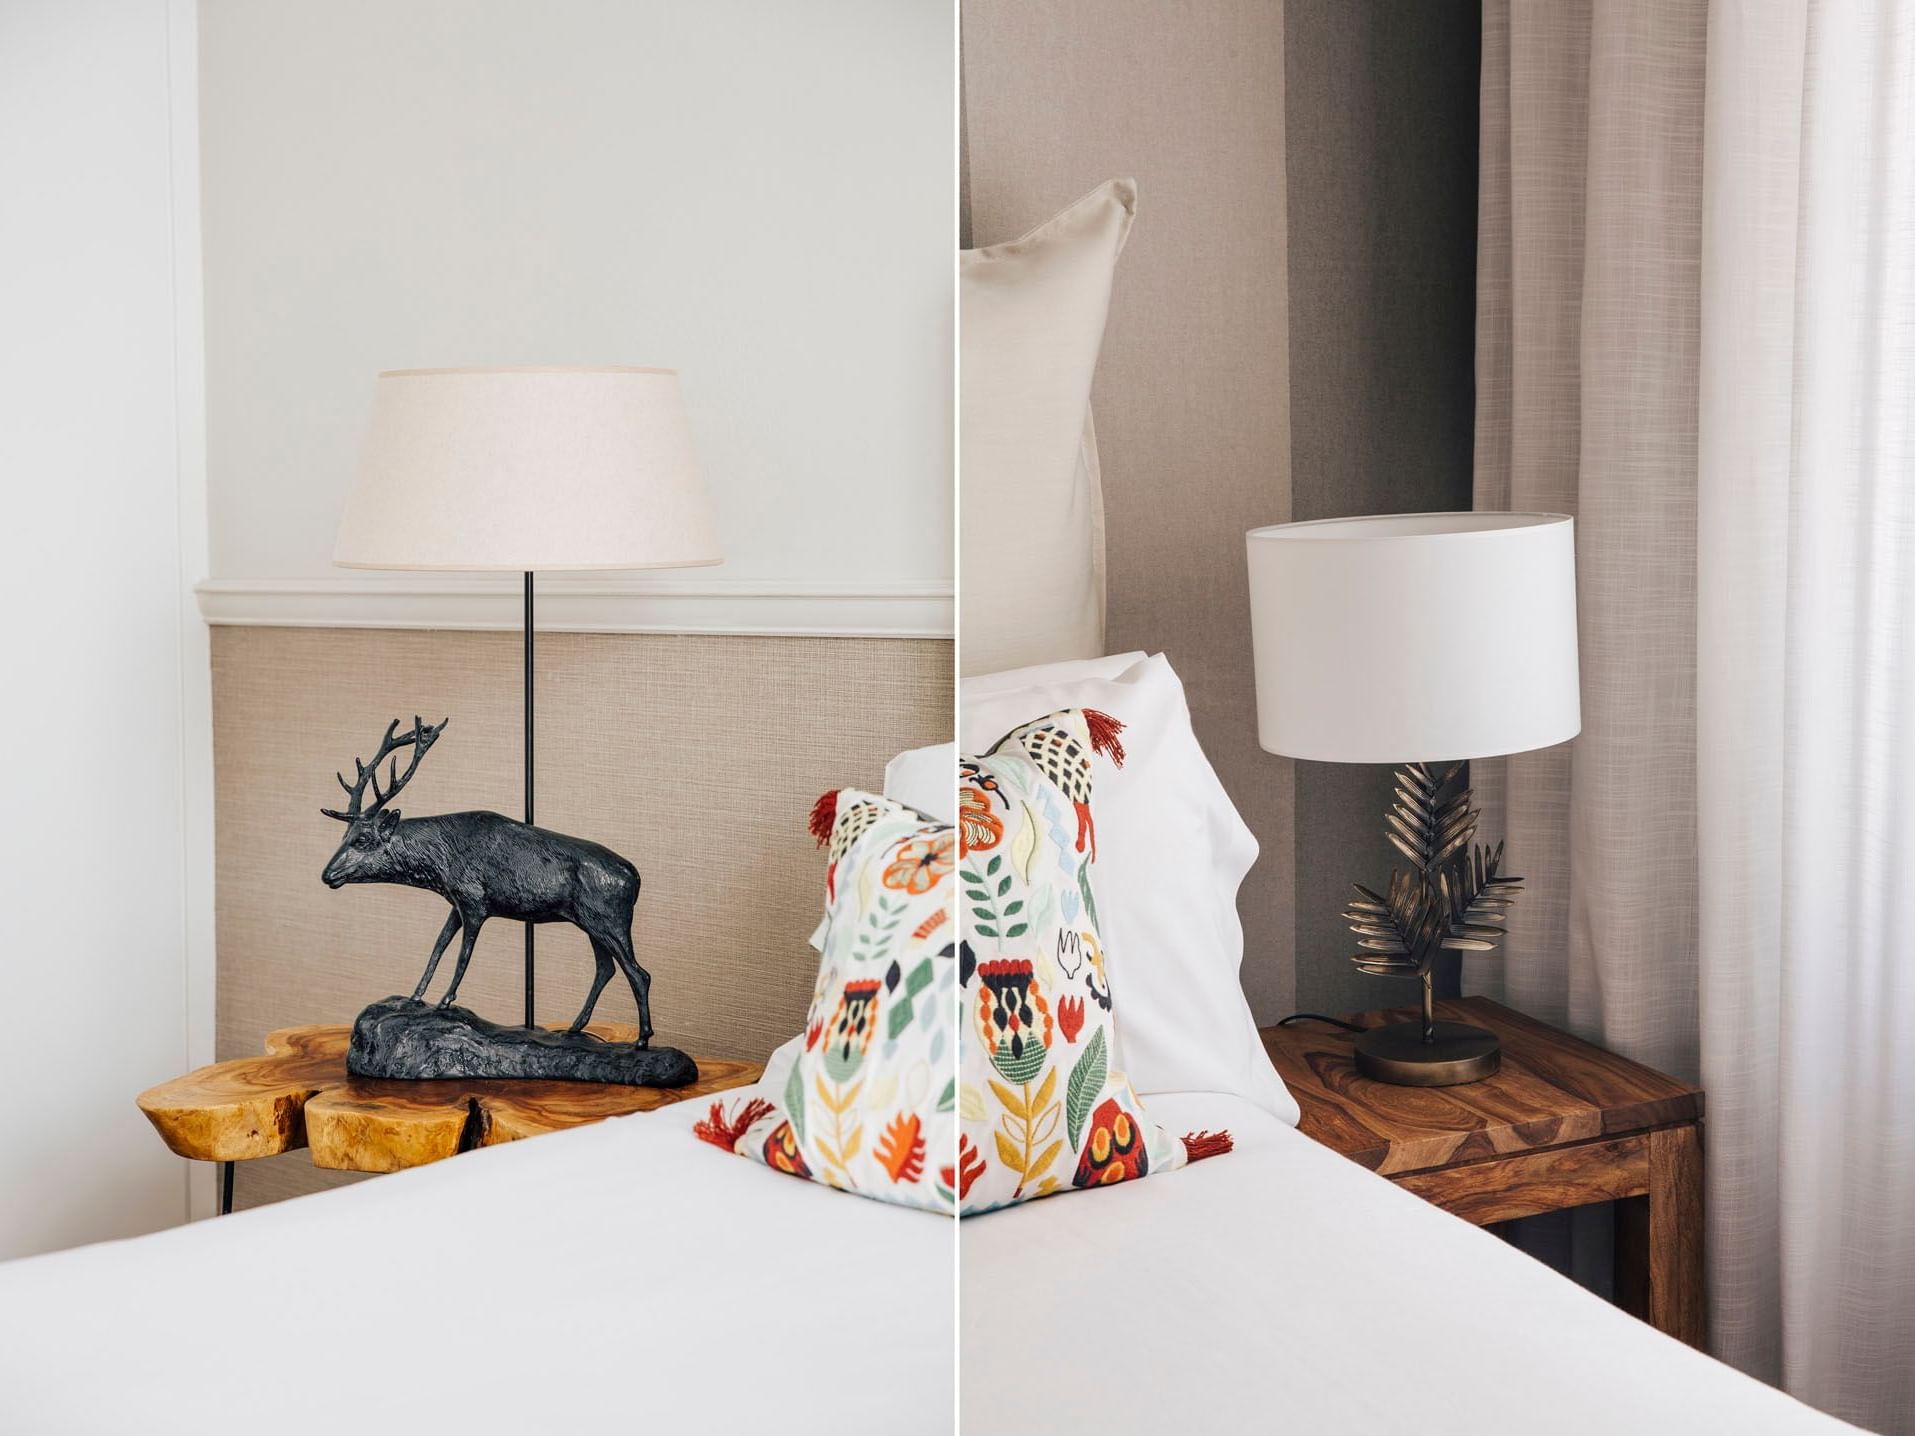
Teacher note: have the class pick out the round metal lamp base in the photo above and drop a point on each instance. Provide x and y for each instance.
(1454, 1054)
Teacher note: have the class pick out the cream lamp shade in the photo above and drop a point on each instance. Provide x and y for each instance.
(527, 469)
(1415, 637)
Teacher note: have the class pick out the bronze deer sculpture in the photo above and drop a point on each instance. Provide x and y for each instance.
(486, 866)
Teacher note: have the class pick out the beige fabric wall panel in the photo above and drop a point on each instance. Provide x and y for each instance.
(1380, 103)
(696, 757)
(1191, 395)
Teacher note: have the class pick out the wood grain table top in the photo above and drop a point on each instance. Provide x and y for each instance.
(1553, 1089)
(298, 1094)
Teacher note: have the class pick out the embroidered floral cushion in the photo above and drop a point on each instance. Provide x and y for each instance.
(869, 1104)
(1043, 1108)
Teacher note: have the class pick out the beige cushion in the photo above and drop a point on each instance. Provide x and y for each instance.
(1032, 527)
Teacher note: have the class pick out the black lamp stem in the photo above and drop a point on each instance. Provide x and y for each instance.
(528, 780)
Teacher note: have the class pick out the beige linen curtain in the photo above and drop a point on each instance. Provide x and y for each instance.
(1696, 332)
(1589, 232)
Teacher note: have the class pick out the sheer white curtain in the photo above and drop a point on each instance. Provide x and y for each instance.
(1696, 332)
(1806, 696)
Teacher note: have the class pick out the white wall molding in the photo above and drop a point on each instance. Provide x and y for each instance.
(576, 603)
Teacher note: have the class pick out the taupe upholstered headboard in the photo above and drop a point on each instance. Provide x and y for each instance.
(1193, 384)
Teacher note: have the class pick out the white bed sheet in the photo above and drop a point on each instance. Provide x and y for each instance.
(1283, 1288)
(625, 1274)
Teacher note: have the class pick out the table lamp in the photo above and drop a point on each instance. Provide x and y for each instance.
(523, 469)
(1419, 639)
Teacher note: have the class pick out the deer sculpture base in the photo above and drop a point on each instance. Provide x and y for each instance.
(407, 1040)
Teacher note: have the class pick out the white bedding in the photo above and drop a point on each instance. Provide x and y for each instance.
(1283, 1288)
(625, 1275)
(631, 1268)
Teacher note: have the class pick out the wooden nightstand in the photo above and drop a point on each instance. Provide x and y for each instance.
(1563, 1124)
(299, 1095)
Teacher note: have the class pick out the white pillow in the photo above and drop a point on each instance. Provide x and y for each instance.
(1031, 320)
(1071, 670)
(925, 779)
(1171, 854)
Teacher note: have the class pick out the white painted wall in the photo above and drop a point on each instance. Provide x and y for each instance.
(105, 853)
(757, 193)
(760, 194)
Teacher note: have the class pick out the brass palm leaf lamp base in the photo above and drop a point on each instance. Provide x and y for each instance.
(1453, 899)
(1369, 643)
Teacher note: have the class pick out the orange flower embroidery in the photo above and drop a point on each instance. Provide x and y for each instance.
(1114, 1149)
(969, 1167)
(901, 1150)
(918, 863)
(782, 1154)
(978, 827)
(1070, 1017)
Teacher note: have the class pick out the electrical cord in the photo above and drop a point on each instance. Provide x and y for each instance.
(1319, 1017)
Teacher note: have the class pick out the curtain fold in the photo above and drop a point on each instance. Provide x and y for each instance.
(1590, 219)
(1746, 449)
(1696, 332)
(1806, 698)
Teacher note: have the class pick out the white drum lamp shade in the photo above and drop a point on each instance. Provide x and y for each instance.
(1415, 637)
(527, 469)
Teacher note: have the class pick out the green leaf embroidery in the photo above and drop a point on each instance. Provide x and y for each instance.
(1087, 1081)
(1083, 887)
(947, 1099)
(904, 1007)
(875, 932)
(795, 1099)
(900, 1015)
(983, 904)
(1024, 845)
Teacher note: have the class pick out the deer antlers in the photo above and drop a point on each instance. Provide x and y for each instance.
(422, 737)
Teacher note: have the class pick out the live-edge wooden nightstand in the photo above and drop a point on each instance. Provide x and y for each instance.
(1563, 1124)
(299, 1095)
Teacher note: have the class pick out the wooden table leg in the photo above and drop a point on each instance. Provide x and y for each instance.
(1659, 1239)
(225, 1189)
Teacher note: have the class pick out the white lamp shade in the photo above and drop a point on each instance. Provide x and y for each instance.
(527, 469)
(1415, 637)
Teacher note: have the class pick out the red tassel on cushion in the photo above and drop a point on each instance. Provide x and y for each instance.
(824, 817)
(714, 1128)
(1199, 1145)
(1103, 735)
